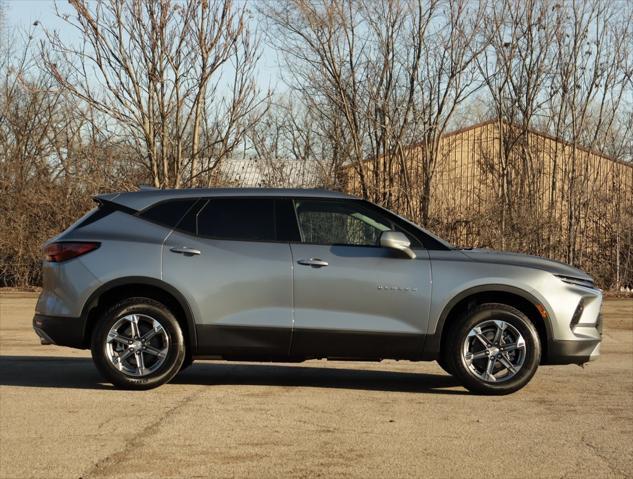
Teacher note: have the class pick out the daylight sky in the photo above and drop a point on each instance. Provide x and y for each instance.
(21, 14)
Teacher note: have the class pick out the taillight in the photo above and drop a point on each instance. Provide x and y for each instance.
(58, 252)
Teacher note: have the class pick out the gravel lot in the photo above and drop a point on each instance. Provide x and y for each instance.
(316, 419)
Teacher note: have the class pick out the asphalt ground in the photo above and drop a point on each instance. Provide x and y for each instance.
(315, 419)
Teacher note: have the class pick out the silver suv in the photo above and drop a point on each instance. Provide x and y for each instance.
(152, 280)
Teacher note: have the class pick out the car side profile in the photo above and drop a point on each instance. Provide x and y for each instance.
(152, 280)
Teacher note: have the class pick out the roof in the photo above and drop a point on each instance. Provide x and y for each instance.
(139, 200)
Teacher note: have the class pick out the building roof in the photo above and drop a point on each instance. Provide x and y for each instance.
(139, 200)
(533, 131)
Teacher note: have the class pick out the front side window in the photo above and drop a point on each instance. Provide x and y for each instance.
(251, 219)
(340, 223)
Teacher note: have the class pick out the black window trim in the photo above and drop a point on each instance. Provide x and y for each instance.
(201, 201)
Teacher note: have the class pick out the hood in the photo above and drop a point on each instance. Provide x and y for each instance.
(518, 259)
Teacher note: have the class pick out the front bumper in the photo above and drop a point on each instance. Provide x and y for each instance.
(577, 351)
(62, 331)
(573, 352)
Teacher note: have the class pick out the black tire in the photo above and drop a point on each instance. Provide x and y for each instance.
(186, 363)
(444, 363)
(175, 349)
(479, 315)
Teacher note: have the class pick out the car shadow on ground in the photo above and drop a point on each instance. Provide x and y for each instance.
(80, 373)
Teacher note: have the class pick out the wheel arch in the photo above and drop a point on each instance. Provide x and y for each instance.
(524, 301)
(121, 288)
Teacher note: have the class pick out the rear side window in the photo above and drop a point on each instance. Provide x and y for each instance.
(238, 219)
(168, 213)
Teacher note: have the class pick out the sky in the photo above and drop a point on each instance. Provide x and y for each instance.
(21, 14)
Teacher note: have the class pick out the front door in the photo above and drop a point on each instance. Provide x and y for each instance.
(226, 258)
(353, 298)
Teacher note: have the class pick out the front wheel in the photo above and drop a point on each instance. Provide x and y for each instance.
(494, 349)
(138, 344)
(186, 363)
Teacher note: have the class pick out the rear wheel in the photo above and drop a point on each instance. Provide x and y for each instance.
(138, 344)
(494, 349)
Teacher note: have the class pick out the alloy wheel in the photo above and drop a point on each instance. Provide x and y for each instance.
(137, 345)
(494, 351)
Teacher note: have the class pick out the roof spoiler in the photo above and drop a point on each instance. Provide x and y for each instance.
(108, 197)
(114, 200)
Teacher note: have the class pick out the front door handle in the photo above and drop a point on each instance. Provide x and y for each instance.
(314, 262)
(185, 250)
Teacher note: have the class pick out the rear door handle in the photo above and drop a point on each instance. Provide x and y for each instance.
(185, 250)
(314, 262)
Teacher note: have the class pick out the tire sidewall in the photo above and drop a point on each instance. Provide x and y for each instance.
(175, 355)
(525, 327)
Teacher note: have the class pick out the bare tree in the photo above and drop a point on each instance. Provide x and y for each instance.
(3, 20)
(164, 92)
(445, 77)
(52, 160)
(286, 148)
(590, 81)
(563, 68)
(177, 78)
(386, 74)
(319, 42)
(515, 67)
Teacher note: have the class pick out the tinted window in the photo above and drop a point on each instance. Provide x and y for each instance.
(340, 222)
(287, 229)
(189, 222)
(168, 213)
(104, 209)
(238, 219)
(95, 215)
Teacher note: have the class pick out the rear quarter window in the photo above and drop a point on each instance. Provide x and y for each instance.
(104, 209)
(168, 213)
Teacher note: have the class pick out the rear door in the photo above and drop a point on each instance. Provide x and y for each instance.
(353, 298)
(227, 258)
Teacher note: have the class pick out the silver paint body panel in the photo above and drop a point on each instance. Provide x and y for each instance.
(344, 295)
(232, 283)
(261, 286)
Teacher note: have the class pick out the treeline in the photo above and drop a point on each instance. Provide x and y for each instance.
(166, 93)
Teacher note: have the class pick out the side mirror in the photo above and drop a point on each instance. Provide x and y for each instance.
(396, 240)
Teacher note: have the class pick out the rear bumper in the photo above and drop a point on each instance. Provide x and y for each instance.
(62, 331)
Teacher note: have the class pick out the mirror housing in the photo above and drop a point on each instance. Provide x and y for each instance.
(398, 241)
